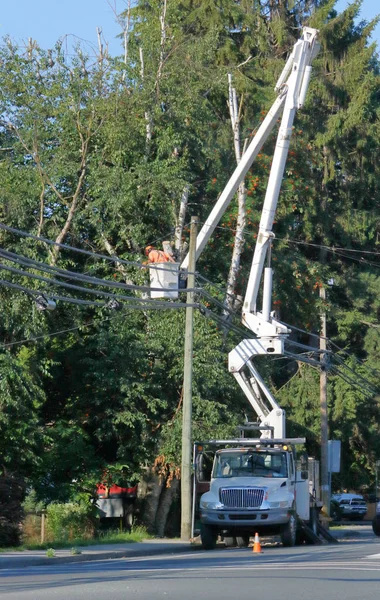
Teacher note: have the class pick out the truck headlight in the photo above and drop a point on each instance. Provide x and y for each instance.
(211, 505)
(280, 504)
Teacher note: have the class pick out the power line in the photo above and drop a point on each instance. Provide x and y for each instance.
(367, 393)
(141, 303)
(333, 249)
(56, 333)
(112, 259)
(357, 375)
(41, 266)
(35, 293)
(44, 240)
(327, 248)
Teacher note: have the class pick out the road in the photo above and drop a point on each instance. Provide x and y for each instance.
(348, 571)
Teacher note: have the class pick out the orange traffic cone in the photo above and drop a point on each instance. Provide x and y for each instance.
(256, 544)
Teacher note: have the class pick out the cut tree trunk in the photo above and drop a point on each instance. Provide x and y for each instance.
(167, 496)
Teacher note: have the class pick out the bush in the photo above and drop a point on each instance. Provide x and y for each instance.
(70, 521)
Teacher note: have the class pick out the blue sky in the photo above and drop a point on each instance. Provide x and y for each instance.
(48, 20)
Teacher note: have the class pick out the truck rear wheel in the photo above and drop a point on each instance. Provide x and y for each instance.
(242, 541)
(289, 532)
(208, 537)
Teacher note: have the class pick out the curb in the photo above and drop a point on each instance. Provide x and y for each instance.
(31, 561)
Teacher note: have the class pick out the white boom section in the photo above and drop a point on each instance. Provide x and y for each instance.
(299, 67)
(259, 396)
(237, 177)
(271, 333)
(291, 87)
(282, 87)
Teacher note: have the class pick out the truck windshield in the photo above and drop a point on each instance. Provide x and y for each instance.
(250, 464)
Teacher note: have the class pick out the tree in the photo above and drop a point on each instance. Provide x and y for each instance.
(114, 154)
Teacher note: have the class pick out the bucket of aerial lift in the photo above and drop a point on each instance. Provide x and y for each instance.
(164, 280)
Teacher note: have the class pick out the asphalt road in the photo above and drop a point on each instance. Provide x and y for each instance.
(348, 571)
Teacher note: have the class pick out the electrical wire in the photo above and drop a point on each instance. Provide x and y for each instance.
(357, 375)
(41, 266)
(34, 294)
(352, 382)
(92, 280)
(65, 285)
(44, 240)
(56, 333)
(111, 259)
(141, 303)
(327, 248)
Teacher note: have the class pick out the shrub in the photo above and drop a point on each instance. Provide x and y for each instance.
(70, 521)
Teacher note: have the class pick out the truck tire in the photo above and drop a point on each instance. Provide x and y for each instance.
(336, 515)
(289, 532)
(242, 540)
(230, 542)
(208, 537)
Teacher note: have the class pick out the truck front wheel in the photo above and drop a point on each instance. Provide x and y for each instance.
(289, 532)
(208, 537)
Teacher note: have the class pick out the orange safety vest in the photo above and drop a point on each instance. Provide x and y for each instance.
(157, 256)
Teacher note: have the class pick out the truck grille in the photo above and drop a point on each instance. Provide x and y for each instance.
(244, 497)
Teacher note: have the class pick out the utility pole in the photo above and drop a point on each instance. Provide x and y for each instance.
(187, 391)
(325, 484)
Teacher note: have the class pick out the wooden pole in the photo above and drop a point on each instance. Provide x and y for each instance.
(43, 515)
(187, 392)
(325, 484)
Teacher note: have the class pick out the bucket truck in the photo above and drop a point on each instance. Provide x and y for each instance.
(256, 485)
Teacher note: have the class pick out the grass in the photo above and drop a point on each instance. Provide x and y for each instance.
(138, 534)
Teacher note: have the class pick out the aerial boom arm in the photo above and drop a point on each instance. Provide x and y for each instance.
(271, 334)
(294, 79)
(237, 177)
(300, 71)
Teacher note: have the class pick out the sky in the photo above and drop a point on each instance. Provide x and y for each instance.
(48, 20)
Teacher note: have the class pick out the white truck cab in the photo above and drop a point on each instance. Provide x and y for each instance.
(254, 487)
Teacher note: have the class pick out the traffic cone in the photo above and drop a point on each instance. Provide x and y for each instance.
(256, 544)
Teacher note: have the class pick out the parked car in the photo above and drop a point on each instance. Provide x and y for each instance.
(376, 521)
(348, 506)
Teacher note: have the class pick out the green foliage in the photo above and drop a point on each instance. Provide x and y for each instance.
(70, 521)
(99, 154)
(21, 399)
(31, 503)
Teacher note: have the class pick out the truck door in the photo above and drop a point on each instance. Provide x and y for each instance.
(203, 462)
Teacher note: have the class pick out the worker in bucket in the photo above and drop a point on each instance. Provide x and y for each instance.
(157, 256)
